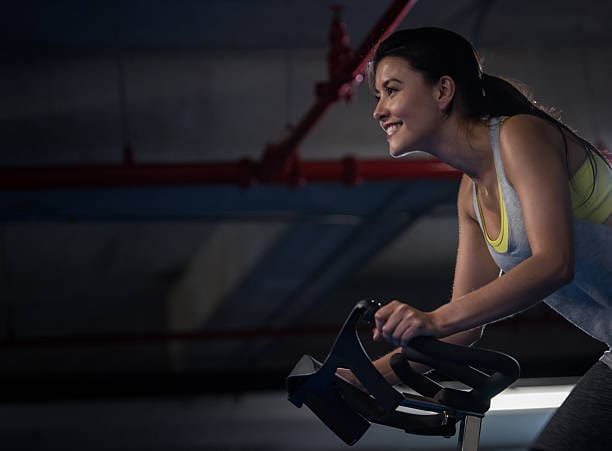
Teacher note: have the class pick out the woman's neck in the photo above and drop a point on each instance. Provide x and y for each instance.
(466, 146)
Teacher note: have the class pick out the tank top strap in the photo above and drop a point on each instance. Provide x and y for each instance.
(494, 129)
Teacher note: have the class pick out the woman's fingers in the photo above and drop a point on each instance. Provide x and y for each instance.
(376, 335)
(390, 321)
(380, 317)
(404, 330)
(397, 323)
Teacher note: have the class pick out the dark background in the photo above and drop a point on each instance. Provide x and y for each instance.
(112, 289)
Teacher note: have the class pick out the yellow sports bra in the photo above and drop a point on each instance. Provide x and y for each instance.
(590, 192)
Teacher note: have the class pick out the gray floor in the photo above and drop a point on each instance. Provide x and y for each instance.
(250, 422)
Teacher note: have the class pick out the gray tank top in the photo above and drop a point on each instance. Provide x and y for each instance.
(587, 300)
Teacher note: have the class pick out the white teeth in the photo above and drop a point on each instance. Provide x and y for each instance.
(391, 129)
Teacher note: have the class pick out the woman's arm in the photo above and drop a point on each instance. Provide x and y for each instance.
(533, 156)
(474, 268)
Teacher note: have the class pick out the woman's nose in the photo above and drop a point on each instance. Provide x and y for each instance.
(380, 112)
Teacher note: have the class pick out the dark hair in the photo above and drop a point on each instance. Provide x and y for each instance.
(435, 52)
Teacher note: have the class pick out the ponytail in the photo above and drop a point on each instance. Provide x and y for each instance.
(503, 98)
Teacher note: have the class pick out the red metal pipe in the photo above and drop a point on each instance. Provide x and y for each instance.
(348, 170)
(280, 163)
(385, 25)
(277, 156)
(383, 28)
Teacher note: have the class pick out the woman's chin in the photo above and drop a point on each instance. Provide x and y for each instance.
(399, 153)
(394, 152)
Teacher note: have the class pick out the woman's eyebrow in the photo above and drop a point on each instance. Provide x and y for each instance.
(390, 80)
(386, 83)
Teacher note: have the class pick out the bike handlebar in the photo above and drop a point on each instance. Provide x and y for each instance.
(461, 363)
(348, 410)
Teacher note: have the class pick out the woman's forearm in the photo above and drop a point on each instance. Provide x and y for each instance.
(522, 287)
(460, 320)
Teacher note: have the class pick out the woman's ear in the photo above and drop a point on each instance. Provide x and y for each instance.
(445, 92)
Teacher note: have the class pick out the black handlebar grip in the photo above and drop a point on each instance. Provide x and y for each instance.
(369, 307)
(462, 363)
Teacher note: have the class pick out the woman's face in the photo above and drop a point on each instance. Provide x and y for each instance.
(407, 109)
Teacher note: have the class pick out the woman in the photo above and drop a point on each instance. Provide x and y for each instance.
(535, 202)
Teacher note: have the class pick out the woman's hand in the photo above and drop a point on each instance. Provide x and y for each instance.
(397, 323)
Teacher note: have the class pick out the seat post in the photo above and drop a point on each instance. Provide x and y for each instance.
(469, 433)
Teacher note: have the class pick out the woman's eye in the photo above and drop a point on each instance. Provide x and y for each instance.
(389, 91)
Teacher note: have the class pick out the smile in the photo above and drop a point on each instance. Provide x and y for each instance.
(390, 129)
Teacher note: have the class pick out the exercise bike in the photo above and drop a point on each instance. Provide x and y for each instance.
(349, 411)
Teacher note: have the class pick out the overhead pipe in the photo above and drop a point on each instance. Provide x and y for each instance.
(280, 162)
(348, 170)
(346, 70)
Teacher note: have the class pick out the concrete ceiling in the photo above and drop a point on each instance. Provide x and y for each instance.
(238, 24)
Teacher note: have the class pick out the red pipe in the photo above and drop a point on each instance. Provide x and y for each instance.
(383, 28)
(349, 170)
(277, 156)
(280, 163)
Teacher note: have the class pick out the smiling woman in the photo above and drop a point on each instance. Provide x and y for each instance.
(535, 204)
(407, 106)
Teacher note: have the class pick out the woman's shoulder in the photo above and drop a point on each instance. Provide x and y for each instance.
(522, 126)
(525, 137)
